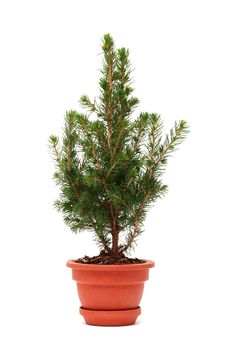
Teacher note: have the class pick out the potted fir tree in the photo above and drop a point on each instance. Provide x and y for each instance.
(109, 171)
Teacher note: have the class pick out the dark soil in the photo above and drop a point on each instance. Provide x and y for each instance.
(105, 259)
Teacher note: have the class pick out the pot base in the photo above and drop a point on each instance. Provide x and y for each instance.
(110, 317)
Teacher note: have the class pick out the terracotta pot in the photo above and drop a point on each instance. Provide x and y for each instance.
(110, 294)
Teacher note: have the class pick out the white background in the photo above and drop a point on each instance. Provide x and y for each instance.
(49, 57)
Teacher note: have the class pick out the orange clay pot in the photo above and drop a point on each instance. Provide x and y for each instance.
(110, 294)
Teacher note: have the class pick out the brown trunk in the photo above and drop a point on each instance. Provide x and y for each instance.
(115, 238)
(114, 230)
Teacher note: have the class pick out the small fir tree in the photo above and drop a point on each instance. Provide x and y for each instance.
(109, 169)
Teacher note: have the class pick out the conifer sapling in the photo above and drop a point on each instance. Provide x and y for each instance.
(109, 168)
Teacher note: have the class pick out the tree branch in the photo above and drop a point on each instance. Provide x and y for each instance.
(91, 145)
(135, 227)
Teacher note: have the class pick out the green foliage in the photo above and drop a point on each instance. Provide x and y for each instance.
(109, 170)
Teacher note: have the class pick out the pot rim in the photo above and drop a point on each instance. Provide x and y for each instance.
(118, 267)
